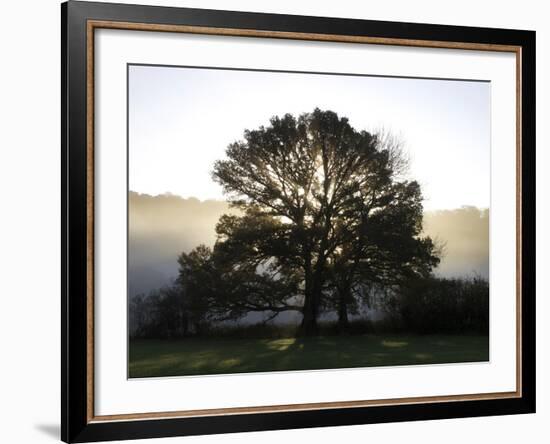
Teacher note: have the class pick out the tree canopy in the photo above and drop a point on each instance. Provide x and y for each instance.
(325, 211)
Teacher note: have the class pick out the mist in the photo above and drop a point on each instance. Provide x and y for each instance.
(464, 236)
(163, 226)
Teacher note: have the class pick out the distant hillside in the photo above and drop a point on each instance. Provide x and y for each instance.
(464, 233)
(161, 227)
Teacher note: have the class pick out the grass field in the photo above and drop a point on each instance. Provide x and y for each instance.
(196, 356)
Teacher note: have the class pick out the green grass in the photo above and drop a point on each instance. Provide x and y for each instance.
(196, 356)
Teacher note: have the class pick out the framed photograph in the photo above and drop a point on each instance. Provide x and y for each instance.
(275, 221)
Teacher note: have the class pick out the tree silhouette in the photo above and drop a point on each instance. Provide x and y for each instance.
(323, 209)
(223, 284)
(383, 247)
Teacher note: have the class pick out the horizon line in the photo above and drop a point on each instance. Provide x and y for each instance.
(179, 196)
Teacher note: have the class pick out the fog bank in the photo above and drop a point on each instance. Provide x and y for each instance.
(161, 227)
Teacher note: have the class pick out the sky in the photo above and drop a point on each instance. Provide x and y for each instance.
(181, 121)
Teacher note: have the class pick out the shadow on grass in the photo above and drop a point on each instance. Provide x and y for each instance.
(196, 356)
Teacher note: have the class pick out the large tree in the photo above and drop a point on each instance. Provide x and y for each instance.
(319, 201)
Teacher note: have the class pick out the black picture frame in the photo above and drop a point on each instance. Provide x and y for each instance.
(76, 423)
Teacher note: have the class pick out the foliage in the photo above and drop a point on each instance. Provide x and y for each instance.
(326, 219)
(161, 314)
(422, 306)
(440, 305)
(324, 210)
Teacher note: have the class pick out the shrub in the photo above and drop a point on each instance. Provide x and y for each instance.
(439, 305)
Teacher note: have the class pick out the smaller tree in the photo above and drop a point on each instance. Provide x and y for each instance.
(160, 314)
(198, 280)
(224, 283)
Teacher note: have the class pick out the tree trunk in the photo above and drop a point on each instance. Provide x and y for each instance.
(314, 291)
(314, 280)
(309, 327)
(343, 320)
